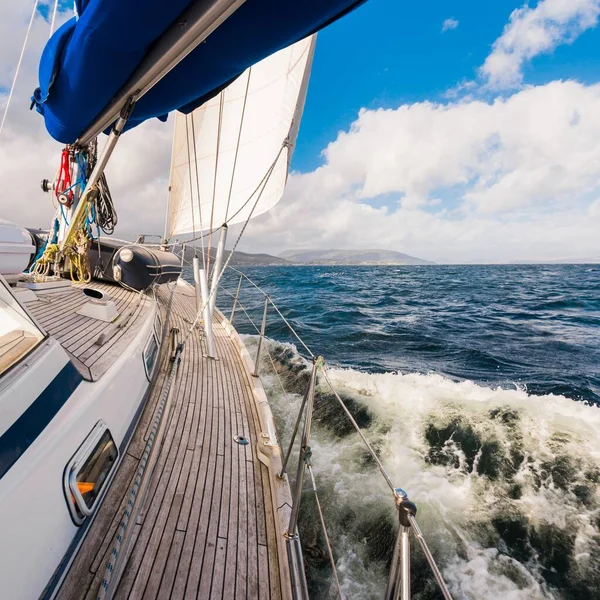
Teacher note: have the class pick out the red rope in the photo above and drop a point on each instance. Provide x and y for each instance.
(63, 191)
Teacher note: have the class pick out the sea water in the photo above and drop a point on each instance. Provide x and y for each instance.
(478, 387)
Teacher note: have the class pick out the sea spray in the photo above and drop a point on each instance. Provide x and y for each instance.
(507, 483)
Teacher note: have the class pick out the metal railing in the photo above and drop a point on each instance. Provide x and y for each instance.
(398, 585)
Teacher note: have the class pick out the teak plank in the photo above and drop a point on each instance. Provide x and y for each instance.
(206, 529)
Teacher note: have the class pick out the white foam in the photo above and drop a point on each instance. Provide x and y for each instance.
(456, 505)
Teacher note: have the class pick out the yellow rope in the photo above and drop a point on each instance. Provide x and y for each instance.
(77, 254)
(44, 262)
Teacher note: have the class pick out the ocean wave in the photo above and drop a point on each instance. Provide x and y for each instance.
(507, 483)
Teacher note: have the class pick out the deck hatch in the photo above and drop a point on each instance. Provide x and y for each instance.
(89, 471)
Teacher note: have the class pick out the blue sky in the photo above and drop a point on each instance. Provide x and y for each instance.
(388, 53)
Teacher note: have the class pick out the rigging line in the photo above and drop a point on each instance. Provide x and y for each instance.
(360, 433)
(170, 202)
(237, 146)
(289, 325)
(266, 348)
(212, 207)
(432, 564)
(14, 82)
(187, 139)
(52, 23)
(325, 535)
(198, 189)
(262, 181)
(269, 172)
(292, 329)
(235, 245)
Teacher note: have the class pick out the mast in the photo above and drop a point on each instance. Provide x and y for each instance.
(168, 207)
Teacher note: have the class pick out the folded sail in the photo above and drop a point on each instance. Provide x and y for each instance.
(233, 152)
(90, 59)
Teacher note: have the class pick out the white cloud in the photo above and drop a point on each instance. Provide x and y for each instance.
(449, 24)
(533, 31)
(537, 146)
(517, 177)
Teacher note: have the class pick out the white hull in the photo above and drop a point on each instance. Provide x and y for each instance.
(37, 530)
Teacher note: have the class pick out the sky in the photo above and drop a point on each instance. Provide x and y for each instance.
(458, 131)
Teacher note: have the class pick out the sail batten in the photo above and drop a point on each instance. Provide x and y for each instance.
(241, 144)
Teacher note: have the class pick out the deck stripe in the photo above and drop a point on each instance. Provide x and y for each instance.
(26, 429)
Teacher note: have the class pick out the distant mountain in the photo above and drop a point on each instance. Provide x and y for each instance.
(315, 257)
(352, 257)
(241, 259)
(245, 258)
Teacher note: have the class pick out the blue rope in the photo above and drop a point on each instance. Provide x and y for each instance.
(62, 212)
(53, 240)
(90, 220)
(56, 227)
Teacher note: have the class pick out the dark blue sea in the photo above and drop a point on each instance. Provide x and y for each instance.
(479, 387)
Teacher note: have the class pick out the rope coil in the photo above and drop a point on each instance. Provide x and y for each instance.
(99, 213)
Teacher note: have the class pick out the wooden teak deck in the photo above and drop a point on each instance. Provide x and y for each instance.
(207, 526)
(56, 310)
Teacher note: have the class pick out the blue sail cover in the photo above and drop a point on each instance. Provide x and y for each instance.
(90, 58)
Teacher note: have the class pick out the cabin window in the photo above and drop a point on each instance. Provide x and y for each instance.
(150, 356)
(18, 333)
(89, 471)
(158, 325)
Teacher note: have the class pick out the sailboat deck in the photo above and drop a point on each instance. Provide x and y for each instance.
(206, 529)
(56, 311)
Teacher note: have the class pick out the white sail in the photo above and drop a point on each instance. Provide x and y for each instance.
(224, 151)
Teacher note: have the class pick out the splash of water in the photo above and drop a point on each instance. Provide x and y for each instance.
(507, 484)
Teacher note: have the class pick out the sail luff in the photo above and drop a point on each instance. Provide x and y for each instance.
(297, 118)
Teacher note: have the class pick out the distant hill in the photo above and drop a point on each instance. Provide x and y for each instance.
(562, 261)
(352, 257)
(241, 259)
(317, 257)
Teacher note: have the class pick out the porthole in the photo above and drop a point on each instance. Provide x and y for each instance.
(89, 471)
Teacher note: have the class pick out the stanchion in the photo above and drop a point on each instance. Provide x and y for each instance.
(208, 330)
(260, 339)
